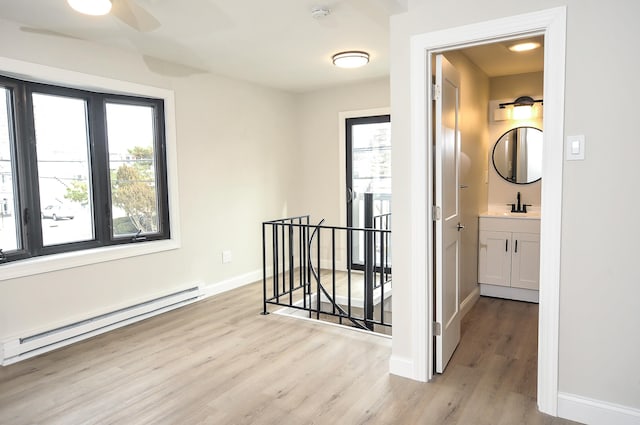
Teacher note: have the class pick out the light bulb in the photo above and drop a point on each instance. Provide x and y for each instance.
(522, 112)
(91, 7)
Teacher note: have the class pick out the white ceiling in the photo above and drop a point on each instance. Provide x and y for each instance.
(497, 60)
(277, 44)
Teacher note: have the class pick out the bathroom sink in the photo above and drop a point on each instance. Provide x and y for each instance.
(509, 214)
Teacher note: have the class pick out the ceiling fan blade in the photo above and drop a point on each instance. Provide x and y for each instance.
(170, 69)
(134, 16)
(42, 31)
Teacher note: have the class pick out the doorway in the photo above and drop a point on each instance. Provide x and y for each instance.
(368, 170)
(552, 24)
(495, 161)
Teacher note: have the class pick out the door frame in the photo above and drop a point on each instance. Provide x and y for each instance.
(552, 24)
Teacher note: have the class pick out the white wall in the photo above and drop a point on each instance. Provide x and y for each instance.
(509, 88)
(599, 314)
(232, 141)
(320, 164)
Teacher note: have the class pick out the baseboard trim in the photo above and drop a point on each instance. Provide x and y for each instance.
(595, 412)
(297, 314)
(470, 301)
(401, 366)
(519, 294)
(210, 290)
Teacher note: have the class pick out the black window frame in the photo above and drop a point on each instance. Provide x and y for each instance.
(349, 124)
(25, 174)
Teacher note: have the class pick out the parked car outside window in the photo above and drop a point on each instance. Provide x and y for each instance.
(57, 212)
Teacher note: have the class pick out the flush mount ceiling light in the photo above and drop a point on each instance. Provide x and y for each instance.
(351, 59)
(91, 7)
(523, 47)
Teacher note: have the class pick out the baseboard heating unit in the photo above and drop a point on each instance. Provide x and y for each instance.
(21, 348)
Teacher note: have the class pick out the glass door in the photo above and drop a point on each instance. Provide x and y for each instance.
(368, 154)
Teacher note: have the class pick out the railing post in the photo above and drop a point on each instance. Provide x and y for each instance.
(369, 259)
(264, 270)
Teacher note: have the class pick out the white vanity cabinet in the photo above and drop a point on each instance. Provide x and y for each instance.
(509, 256)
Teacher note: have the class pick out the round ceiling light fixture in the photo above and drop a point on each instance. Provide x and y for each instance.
(523, 47)
(91, 7)
(350, 59)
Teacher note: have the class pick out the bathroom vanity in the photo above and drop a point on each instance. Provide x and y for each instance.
(509, 255)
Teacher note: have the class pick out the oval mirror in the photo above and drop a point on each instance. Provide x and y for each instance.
(517, 155)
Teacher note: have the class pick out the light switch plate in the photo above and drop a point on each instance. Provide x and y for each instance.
(575, 148)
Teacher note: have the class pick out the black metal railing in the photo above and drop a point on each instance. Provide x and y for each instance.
(306, 268)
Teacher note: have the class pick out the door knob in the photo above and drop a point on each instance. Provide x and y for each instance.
(460, 226)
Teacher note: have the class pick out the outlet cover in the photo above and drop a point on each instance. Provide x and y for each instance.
(226, 257)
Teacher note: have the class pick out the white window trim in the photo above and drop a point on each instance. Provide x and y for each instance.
(46, 74)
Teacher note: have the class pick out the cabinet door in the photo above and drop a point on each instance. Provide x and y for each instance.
(525, 260)
(494, 258)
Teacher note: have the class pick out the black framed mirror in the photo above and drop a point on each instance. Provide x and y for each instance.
(517, 155)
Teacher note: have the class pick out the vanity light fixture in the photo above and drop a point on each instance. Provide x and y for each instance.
(524, 47)
(522, 107)
(350, 59)
(91, 7)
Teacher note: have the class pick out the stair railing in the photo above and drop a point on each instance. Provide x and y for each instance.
(304, 270)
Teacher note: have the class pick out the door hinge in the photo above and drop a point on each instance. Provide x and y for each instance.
(436, 213)
(435, 92)
(437, 329)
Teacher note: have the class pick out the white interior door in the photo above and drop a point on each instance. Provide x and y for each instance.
(447, 226)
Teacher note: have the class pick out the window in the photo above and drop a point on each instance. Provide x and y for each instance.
(62, 152)
(9, 228)
(368, 155)
(132, 174)
(79, 170)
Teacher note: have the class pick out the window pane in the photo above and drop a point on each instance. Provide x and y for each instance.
(130, 132)
(372, 158)
(63, 169)
(9, 220)
(370, 173)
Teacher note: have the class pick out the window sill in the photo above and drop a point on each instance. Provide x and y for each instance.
(68, 260)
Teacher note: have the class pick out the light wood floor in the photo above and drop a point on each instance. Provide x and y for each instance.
(220, 362)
